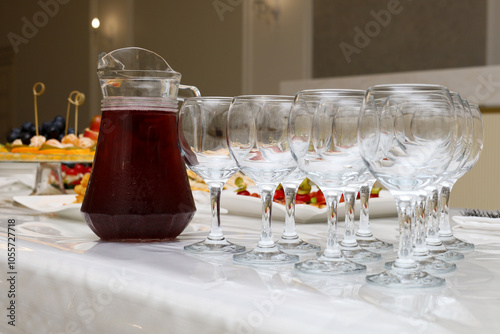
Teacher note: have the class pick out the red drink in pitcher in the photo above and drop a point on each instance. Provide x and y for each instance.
(138, 188)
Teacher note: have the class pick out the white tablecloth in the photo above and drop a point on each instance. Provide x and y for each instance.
(70, 282)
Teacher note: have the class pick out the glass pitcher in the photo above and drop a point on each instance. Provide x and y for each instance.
(138, 189)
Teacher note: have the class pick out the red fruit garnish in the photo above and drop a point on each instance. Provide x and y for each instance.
(95, 123)
(243, 192)
(255, 195)
(79, 168)
(91, 134)
(71, 171)
(320, 198)
(88, 170)
(302, 198)
(279, 194)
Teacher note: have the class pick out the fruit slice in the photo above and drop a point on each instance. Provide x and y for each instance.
(25, 149)
(95, 123)
(53, 151)
(91, 134)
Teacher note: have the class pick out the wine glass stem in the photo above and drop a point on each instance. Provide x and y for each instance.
(364, 229)
(290, 193)
(444, 218)
(332, 248)
(419, 232)
(215, 192)
(432, 219)
(266, 234)
(405, 251)
(349, 236)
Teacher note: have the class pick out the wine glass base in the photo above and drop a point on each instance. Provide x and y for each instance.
(265, 256)
(296, 246)
(359, 255)
(454, 244)
(405, 279)
(373, 244)
(208, 246)
(430, 265)
(448, 256)
(324, 265)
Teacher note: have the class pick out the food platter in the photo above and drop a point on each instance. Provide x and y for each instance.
(382, 206)
(86, 157)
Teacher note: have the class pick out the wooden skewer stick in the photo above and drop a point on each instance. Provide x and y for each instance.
(35, 94)
(71, 100)
(79, 99)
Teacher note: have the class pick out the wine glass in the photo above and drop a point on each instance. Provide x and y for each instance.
(323, 139)
(203, 144)
(464, 120)
(257, 128)
(407, 139)
(445, 234)
(428, 251)
(364, 235)
(289, 241)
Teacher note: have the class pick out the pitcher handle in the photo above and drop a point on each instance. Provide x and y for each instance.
(195, 91)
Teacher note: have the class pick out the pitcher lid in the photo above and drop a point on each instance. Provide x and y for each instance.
(135, 62)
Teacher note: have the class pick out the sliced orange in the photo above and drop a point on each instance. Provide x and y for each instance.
(81, 151)
(24, 149)
(54, 151)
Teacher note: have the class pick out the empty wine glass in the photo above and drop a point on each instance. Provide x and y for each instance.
(407, 139)
(257, 129)
(289, 241)
(323, 139)
(445, 233)
(364, 235)
(464, 120)
(202, 139)
(428, 250)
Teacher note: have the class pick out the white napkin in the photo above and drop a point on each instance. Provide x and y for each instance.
(478, 230)
(25, 179)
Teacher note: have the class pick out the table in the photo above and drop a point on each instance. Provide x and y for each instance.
(67, 281)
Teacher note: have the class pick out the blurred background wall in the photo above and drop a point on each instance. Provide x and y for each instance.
(62, 49)
(232, 47)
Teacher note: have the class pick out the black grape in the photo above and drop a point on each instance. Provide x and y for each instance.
(25, 138)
